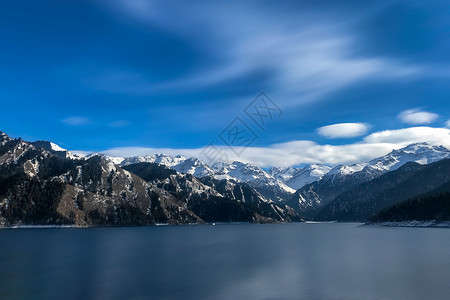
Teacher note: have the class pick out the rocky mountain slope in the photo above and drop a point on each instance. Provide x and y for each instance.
(270, 187)
(215, 200)
(257, 178)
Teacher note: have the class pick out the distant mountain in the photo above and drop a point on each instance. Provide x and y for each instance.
(432, 207)
(296, 178)
(367, 199)
(270, 187)
(215, 200)
(308, 200)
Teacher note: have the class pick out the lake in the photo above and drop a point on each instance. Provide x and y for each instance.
(283, 261)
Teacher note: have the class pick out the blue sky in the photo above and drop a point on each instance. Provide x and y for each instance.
(171, 75)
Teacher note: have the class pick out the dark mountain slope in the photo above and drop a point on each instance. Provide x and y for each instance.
(432, 206)
(369, 198)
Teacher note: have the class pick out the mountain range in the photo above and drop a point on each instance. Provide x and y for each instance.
(42, 183)
(272, 188)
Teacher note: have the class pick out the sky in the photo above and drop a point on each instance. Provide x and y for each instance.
(342, 81)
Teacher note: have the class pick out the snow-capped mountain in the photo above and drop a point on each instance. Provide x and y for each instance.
(317, 184)
(162, 159)
(299, 177)
(421, 153)
(283, 174)
(178, 163)
(272, 188)
(343, 178)
(55, 149)
(256, 177)
(408, 181)
(215, 200)
(43, 186)
(4, 138)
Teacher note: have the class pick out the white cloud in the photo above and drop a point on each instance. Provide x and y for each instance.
(76, 121)
(447, 124)
(417, 117)
(300, 152)
(343, 130)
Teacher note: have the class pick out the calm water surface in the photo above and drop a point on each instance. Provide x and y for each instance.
(291, 261)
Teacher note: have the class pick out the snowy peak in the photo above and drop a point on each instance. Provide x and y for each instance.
(194, 167)
(421, 148)
(167, 160)
(307, 175)
(256, 177)
(162, 159)
(242, 171)
(55, 149)
(4, 138)
(178, 163)
(283, 174)
(298, 177)
(48, 146)
(421, 153)
(346, 170)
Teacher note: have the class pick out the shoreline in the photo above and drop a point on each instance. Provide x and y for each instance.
(413, 223)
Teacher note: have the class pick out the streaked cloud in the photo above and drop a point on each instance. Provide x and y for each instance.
(417, 117)
(76, 121)
(447, 124)
(343, 130)
(305, 59)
